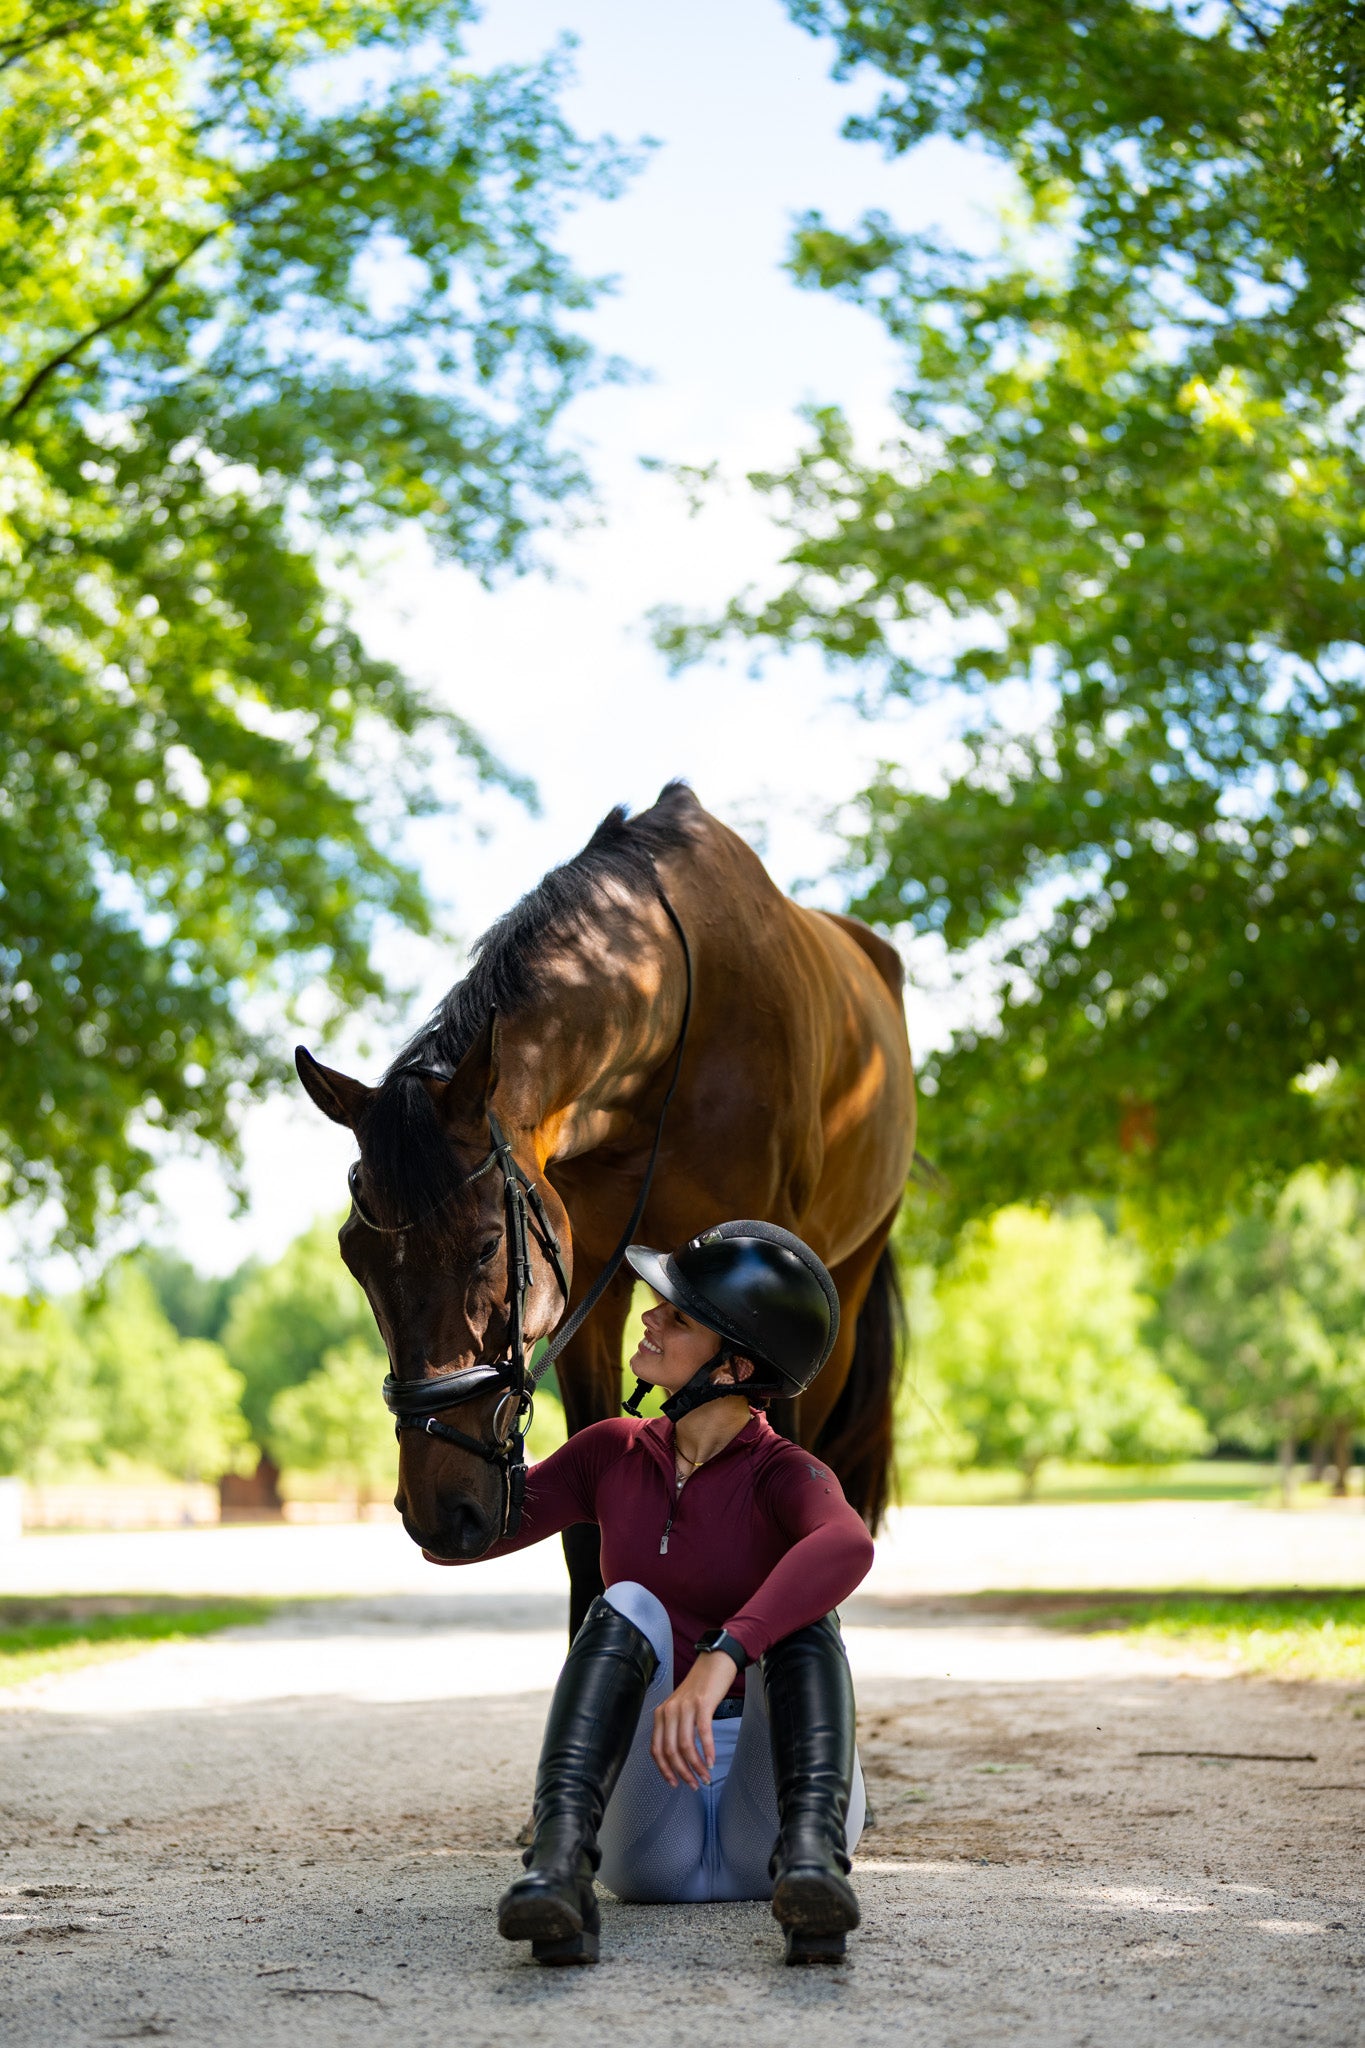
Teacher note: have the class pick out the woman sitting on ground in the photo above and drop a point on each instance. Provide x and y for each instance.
(705, 1710)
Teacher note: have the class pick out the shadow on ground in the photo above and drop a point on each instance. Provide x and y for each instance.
(291, 1869)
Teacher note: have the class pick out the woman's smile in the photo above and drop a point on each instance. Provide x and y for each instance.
(672, 1347)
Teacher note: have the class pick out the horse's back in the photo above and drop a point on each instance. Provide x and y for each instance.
(862, 978)
(868, 1111)
(879, 951)
(801, 1055)
(762, 920)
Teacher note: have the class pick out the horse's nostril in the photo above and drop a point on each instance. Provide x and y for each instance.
(463, 1531)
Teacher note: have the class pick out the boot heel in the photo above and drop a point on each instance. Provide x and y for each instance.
(538, 1915)
(574, 1948)
(814, 1948)
(588, 1733)
(811, 1722)
(815, 1901)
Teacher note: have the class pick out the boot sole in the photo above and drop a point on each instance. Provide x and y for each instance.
(814, 1948)
(579, 1948)
(808, 1904)
(555, 1931)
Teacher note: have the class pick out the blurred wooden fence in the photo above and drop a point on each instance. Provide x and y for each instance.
(87, 1504)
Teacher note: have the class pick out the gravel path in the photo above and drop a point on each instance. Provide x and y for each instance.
(297, 1832)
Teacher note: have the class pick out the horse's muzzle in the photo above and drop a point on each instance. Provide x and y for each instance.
(463, 1534)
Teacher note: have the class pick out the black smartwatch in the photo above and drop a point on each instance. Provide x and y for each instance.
(721, 1639)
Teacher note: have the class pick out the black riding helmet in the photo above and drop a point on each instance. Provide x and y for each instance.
(764, 1293)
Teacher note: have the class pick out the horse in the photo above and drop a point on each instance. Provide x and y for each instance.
(795, 1103)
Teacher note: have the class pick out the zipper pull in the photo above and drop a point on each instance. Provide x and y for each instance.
(663, 1540)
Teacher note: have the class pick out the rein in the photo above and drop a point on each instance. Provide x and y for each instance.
(416, 1404)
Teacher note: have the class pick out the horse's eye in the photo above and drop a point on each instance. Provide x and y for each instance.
(489, 1251)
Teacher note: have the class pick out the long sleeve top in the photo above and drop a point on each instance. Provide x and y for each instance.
(759, 1541)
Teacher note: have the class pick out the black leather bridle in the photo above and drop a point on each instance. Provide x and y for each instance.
(418, 1404)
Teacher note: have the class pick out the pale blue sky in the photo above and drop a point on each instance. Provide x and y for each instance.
(560, 675)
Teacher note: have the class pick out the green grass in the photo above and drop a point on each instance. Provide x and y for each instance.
(1280, 1635)
(38, 1636)
(1232, 1479)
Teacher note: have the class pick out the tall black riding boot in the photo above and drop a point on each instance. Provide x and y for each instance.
(592, 1721)
(811, 1716)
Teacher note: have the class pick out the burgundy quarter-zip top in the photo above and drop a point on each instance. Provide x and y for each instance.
(759, 1540)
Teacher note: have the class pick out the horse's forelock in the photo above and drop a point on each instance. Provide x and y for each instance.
(405, 1152)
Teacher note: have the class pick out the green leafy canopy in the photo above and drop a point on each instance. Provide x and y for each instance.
(172, 1402)
(334, 1422)
(1129, 486)
(288, 1318)
(273, 274)
(1262, 1326)
(1036, 1343)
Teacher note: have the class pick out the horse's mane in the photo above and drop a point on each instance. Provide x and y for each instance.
(408, 1168)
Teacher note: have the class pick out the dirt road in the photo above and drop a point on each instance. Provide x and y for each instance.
(297, 1833)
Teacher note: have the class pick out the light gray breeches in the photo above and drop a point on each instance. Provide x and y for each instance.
(674, 1844)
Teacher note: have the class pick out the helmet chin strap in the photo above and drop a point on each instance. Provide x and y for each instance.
(699, 1390)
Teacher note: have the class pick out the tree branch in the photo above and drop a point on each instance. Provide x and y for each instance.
(1253, 27)
(161, 278)
(156, 283)
(17, 48)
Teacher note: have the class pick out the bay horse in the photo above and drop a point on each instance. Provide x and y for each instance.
(795, 1103)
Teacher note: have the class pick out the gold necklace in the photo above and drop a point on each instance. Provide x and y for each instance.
(694, 1464)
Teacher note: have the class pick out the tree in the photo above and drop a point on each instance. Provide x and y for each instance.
(274, 275)
(44, 1388)
(1038, 1344)
(289, 1316)
(926, 1432)
(1265, 1325)
(196, 1304)
(335, 1422)
(1120, 533)
(157, 1398)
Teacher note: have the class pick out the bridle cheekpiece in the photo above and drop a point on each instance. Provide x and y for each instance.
(416, 1404)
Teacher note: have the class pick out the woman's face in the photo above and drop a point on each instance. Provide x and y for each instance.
(673, 1347)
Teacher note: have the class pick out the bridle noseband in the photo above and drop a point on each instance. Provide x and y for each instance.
(416, 1404)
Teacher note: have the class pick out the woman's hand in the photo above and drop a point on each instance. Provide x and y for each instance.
(684, 1720)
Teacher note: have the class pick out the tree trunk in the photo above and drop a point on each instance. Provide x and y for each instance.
(1028, 1480)
(254, 1497)
(1321, 1456)
(1343, 1443)
(1288, 1450)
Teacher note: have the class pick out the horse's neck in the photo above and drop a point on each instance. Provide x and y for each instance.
(575, 1064)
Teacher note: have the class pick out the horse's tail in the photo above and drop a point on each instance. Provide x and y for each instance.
(858, 1437)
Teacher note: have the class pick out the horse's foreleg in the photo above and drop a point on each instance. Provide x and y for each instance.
(590, 1384)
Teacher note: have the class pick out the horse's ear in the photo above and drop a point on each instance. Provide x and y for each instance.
(471, 1087)
(336, 1095)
